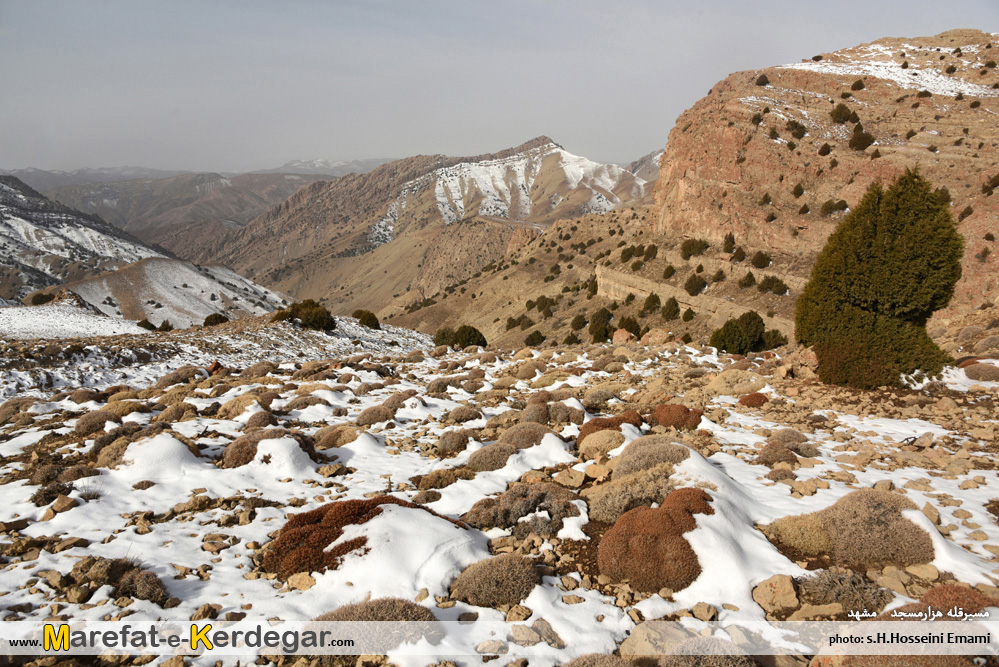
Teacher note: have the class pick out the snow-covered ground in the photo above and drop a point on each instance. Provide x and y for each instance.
(208, 552)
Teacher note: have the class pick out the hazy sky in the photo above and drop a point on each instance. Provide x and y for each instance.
(230, 86)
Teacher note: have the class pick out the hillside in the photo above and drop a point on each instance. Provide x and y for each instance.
(735, 160)
(175, 212)
(45, 243)
(46, 179)
(335, 238)
(161, 289)
(334, 168)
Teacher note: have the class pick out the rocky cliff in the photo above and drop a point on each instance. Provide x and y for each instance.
(768, 154)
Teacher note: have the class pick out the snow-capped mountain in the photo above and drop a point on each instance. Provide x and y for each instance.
(45, 243)
(539, 181)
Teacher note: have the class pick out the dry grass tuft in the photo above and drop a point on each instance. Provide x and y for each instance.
(376, 414)
(491, 457)
(854, 591)
(464, 413)
(525, 435)
(774, 453)
(494, 582)
(92, 422)
(335, 436)
(648, 451)
(642, 488)
(438, 479)
(243, 449)
(452, 443)
(519, 500)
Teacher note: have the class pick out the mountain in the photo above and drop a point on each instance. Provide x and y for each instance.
(163, 210)
(326, 167)
(160, 288)
(42, 180)
(416, 225)
(45, 243)
(761, 156)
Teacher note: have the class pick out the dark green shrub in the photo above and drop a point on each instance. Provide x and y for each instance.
(366, 319)
(309, 314)
(718, 277)
(857, 85)
(671, 309)
(756, 119)
(796, 129)
(637, 264)
(165, 326)
(830, 206)
(695, 284)
(729, 245)
(747, 280)
(651, 252)
(840, 114)
(924, 93)
(803, 210)
(699, 269)
(578, 322)
(762, 80)
(761, 260)
(534, 339)
(798, 190)
(692, 247)
(40, 298)
(600, 326)
(526, 322)
(773, 284)
(688, 315)
(651, 304)
(975, 104)
(467, 335)
(571, 339)
(773, 338)
(215, 319)
(630, 324)
(627, 254)
(668, 272)
(861, 140)
(888, 266)
(765, 199)
(445, 335)
(825, 149)
(628, 300)
(739, 255)
(686, 339)
(746, 334)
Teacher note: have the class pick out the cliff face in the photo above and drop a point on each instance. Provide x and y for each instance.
(734, 161)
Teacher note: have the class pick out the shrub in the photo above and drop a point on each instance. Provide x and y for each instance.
(739, 255)
(825, 149)
(740, 335)
(774, 453)
(630, 324)
(668, 272)
(760, 260)
(840, 114)
(521, 500)
(679, 417)
(492, 457)
(765, 199)
(243, 449)
(445, 335)
(215, 319)
(39, 298)
(686, 339)
(774, 285)
(729, 244)
(638, 488)
(651, 304)
(861, 140)
(718, 277)
(451, 443)
(466, 336)
(146, 324)
(692, 247)
(578, 322)
(762, 80)
(165, 326)
(309, 315)
(571, 339)
(646, 547)
(649, 451)
(857, 85)
(142, 584)
(599, 326)
(92, 422)
(527, 434)
(608, 423)
(302, 544)
(671, 309)
(753, 400)
(747, 280)
(376, 414)
(965, 213)
(850, 589)
(695, 284)
(831, 206)
(534, 339)
(862, 530)
(366, 319)
(886, 268)
(502, 580)
(687, 316)
(797, 130)
(803, 210)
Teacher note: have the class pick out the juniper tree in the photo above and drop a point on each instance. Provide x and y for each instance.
(887, 267)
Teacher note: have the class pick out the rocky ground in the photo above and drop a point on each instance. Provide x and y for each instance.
(571, 494)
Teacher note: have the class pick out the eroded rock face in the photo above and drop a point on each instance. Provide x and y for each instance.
(719, 166)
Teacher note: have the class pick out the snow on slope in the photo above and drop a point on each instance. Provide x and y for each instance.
(183, 293)
(503, 187)
(61, 320)
(880, 61)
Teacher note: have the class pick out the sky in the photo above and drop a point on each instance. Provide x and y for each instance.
(238, 86)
